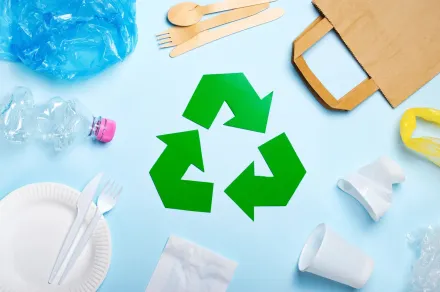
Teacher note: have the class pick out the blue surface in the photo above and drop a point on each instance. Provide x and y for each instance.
(147, 95)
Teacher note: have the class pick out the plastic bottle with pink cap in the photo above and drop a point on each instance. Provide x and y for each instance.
(58, 123)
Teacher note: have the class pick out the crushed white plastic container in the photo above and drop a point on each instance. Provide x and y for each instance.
(328, 255)
(372, 185)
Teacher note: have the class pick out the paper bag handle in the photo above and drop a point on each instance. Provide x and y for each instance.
(311, 35)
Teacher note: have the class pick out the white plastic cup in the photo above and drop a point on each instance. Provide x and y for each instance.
(328, 255)
(372, 185)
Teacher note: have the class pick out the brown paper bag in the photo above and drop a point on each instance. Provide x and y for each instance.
(397, 43)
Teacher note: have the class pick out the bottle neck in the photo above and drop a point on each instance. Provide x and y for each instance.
(102, 129)
(95, 127)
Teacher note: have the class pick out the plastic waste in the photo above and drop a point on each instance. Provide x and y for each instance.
(426, 269)
(328, 255)
(5, 35)
(372, 185)
(67, 39)
(58, 123)
(427, 146)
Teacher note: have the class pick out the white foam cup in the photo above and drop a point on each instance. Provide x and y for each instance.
(328, 255)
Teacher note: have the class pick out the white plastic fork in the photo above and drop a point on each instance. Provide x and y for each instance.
(106, 202)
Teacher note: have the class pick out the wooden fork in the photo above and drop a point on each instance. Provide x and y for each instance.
(177, 35)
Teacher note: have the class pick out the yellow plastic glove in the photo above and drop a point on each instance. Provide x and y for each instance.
(427, 146)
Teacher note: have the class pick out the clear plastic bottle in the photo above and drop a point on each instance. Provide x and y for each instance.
(58, 123)
(16, 121)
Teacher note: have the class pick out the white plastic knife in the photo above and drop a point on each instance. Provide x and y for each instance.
(83, 205)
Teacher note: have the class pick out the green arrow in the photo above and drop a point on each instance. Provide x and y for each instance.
(250, 112)
(249, 191)
(183, 150)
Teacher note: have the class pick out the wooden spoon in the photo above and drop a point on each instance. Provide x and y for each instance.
(209, 36)
(188, 13)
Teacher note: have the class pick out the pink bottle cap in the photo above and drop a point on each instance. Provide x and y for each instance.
(106, 130)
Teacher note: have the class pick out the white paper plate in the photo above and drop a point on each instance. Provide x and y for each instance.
(34, 221)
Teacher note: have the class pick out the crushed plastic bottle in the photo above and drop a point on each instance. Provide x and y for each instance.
(16, 121)
(426, 269)
(67, 39)
(58, 123)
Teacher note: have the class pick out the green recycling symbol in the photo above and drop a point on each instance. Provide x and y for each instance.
(184, 149)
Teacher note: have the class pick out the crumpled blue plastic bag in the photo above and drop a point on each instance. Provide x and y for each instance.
(67, 39)
(5, 36)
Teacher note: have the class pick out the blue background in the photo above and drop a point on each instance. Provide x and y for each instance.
(147, 95)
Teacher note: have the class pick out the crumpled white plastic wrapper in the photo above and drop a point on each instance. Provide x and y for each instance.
(426, 270)
(187, 267)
